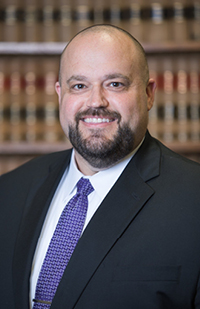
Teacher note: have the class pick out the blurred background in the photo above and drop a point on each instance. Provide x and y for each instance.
(32, 37)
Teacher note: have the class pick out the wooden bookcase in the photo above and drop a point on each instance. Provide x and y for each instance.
(18, 152)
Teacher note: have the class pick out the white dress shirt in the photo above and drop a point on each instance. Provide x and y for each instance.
(102, 182)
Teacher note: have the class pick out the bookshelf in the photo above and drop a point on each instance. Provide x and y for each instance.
(32, 37)
(16, 152)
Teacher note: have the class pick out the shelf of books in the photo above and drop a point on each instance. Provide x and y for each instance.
(33, 35)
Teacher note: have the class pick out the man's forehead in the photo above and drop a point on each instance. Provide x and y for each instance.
(94, 36)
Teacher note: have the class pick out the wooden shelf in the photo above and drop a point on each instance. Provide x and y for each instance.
(25, 148)
(25, 48)
(171, 47)
(22, 48)
(185, 147)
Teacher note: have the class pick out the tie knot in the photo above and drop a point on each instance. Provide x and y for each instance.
(84, 186)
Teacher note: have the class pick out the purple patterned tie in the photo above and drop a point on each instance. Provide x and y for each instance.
(62, 245)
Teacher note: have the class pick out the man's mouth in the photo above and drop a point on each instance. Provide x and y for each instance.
(97, 120)
(97, 116)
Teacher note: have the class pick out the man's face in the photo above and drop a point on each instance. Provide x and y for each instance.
(103, 99)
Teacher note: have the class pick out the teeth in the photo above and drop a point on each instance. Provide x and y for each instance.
(96, 120)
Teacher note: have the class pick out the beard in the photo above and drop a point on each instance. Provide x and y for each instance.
(99, 151)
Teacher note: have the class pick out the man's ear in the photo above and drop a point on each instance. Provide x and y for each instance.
(150, 91)
(58, 90)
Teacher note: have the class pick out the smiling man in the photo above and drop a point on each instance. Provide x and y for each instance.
(114, 222)
(105, 95)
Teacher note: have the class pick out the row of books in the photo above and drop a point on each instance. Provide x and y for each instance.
(29, 104)
(176, 112)
(59, 20)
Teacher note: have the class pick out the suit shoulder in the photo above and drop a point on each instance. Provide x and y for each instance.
(38, 165)
(178, 166)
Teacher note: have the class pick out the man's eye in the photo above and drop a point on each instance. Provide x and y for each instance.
(116, 84)
(79, 86)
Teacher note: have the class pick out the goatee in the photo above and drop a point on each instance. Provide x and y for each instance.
(99, 151)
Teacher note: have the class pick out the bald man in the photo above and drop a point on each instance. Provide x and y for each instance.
(139, 245)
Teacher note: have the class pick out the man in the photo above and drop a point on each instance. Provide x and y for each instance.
(140, 245)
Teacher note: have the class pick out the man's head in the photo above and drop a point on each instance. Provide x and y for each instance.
(104, 95)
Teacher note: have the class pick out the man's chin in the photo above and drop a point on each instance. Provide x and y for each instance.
(99, 150)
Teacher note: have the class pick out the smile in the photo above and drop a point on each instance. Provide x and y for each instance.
(97, 120)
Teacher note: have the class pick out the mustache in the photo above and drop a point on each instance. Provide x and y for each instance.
(98, 112)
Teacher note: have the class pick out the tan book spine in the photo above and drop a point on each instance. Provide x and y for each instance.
(156, 26)
(32, 22)
(82, 14)
(2, 103)
(168, 97)
(179, 22)
(4, 99)
(1, 21)
(99, 8)
(50, 23)
(135, 24)
(65, 21)
(115, 12)
(16, 125)
(182, 98)
(194, 97)
(52, 131)
(11, 26)
(31, 133)
(194, 22)
(13, 21)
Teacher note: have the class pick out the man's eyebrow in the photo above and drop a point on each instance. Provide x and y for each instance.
(117, 75)
(77, 78)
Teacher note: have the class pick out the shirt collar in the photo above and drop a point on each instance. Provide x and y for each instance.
(97, 180)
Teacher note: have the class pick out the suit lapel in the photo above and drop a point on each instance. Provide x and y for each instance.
(116, 213)
(30, 229)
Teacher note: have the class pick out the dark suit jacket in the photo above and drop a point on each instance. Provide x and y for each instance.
(141, 249)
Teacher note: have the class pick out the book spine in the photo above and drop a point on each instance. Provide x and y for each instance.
(52, 130)
(194, 21)
(155, 24)
(30, 99)
(65, 22)
(11, 25)
(82, 15)
(115, 12)
(194, 97)
(32, 22)
(99, 12)
(179, 22)
(16, 123)
(134, 22)
(170, 124)
(2, 103)
(182, 98)
(50, 22)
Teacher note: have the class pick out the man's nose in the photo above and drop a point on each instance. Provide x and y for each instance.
(97, 98)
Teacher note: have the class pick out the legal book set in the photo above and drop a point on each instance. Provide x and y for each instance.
(32, 36)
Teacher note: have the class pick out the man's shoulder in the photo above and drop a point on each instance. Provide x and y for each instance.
(175, 167)
(176, 158)
(154, 158)
(39, 165)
